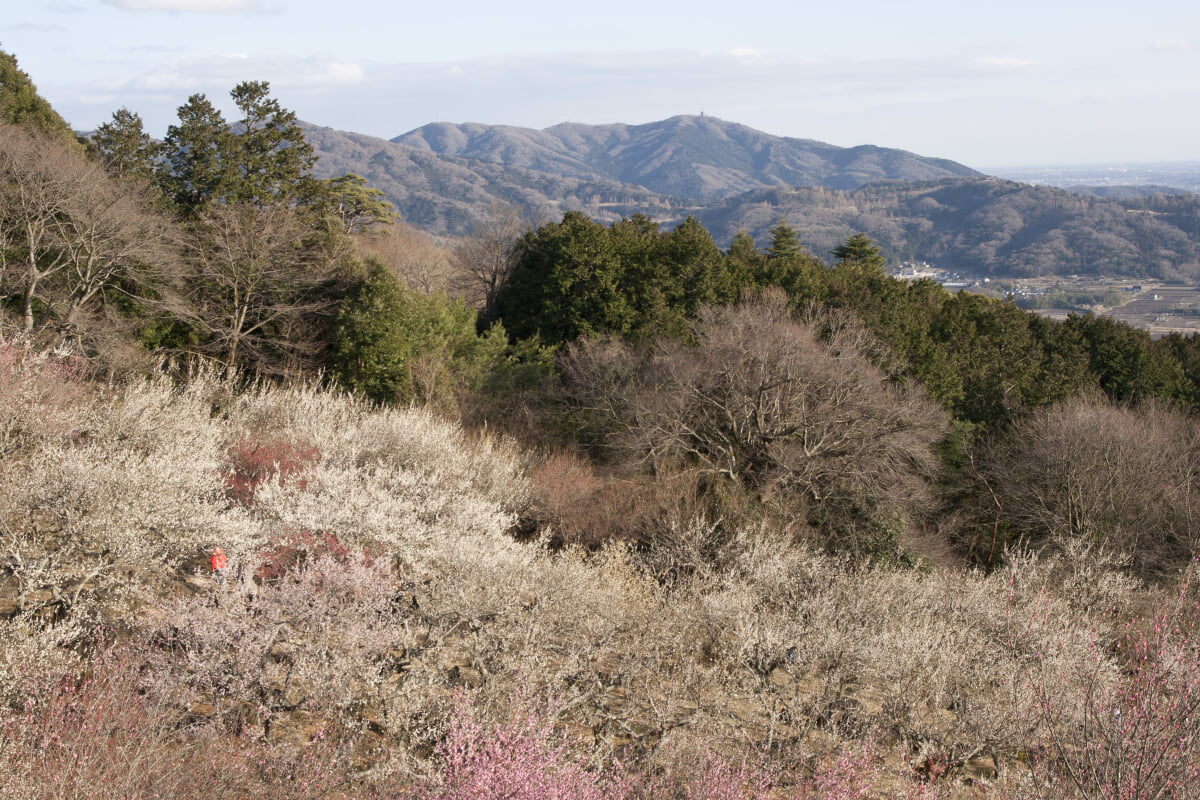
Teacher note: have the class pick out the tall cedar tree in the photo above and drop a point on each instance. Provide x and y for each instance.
(124, 147)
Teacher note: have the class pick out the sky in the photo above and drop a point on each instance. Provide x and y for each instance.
(989, 84)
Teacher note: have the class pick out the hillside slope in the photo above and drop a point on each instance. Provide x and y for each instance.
(447, 195)
(371, 580)
(982, 226)
(701, 158)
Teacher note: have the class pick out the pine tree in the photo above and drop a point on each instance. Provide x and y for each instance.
(861, 250)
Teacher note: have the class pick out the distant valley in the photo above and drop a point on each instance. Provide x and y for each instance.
(445, 177)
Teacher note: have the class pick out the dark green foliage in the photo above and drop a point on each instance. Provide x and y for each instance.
(789, 266)
(274, 161)
(395, 345)
(999, 361)
(263, 159)
(785, 242)
(124, 147)
(743, 261)
(667, 276)
(1185, 351)
(371, 346)
(861, 251)
(986, 360)
(199, 155)
(1127, 364)
(20, 103)
(357, 205)
(566, 283)
(578, 278)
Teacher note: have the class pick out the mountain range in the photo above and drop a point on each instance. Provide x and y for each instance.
(445, 177)
(702, 158)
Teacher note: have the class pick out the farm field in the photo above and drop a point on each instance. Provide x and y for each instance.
(1160, 308)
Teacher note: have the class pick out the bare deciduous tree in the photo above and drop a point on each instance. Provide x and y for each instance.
(69, 232)
(483, 260)
(252, 280)
(1117, 477)
(761, 400)
(411, 255)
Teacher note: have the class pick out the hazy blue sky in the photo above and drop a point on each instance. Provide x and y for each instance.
(987, 83)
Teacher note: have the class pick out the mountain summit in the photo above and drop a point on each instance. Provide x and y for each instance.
(701, 158)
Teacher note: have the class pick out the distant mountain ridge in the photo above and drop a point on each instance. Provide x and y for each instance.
(444, 178)
(983, 226)
(701, 158)
(447, 195)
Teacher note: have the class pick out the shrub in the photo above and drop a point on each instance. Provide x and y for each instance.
(293, 550)
(395, 345)
(517, 760)
(808, 426)
(94, 736)
(1126, 726)
(252, 462)
(38, 392)
(104, 734)
(1088, 470)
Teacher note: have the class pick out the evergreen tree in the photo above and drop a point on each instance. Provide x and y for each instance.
(860, 250)
(274, 161)
(198, 155)
(567, 282)
(785, 242)
(124, 147)
(20, 103)
(396, 345)
(372, 348)
(262, 160)
(792, 268)
(693, 270)
(743, 261)
(355, 203)
(1126, 362)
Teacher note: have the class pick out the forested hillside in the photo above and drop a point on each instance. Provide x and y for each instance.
(447, 195)
(985, 226)
(296, 502)
(445, 177)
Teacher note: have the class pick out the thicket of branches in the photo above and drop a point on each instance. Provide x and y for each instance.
(807, 424)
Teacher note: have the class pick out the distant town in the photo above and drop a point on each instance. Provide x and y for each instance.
(1158, 307)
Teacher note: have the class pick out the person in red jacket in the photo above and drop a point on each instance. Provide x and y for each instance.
(219, 563)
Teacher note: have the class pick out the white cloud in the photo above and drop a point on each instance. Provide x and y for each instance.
(745, 52)
(219, 74)
(1171, 44)
(203, 6)
(40, 27)
(1005, 62)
